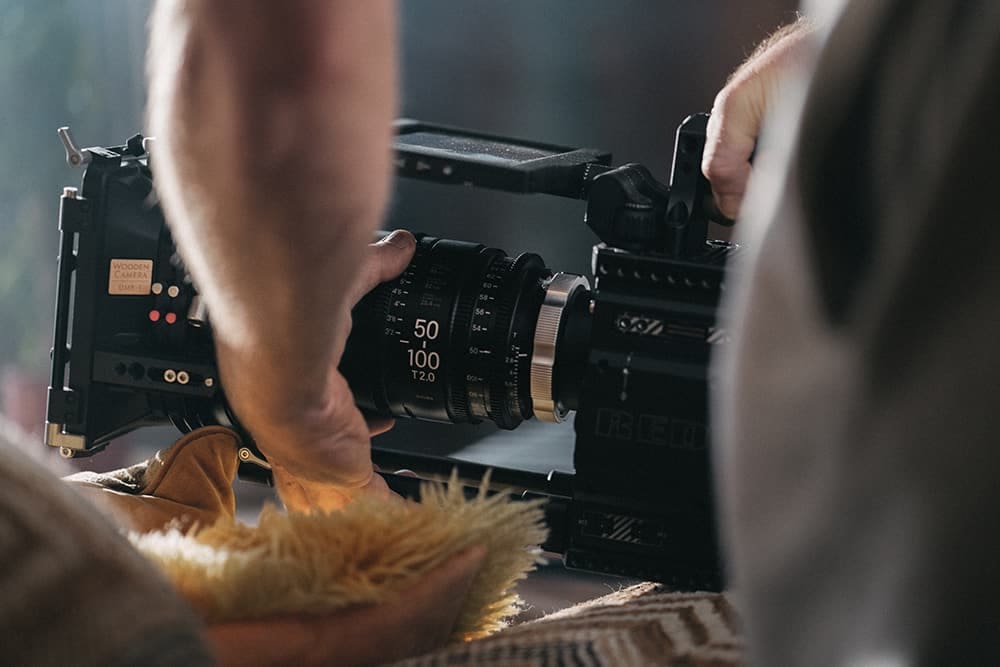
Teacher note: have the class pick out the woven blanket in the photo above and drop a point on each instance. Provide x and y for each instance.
(644, 625)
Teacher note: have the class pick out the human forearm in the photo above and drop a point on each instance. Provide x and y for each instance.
(272, 158)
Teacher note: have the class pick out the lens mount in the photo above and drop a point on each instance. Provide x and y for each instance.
(559, 292)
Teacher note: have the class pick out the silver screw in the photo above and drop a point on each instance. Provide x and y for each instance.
(173, 291)
(183, 377)
(209, 382)
(157, 288)
(170, 375)
(66, 452)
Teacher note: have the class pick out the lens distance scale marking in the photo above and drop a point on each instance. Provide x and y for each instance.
(450, 339)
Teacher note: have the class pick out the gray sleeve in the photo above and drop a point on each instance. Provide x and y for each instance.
(858, 451)
(73, 591)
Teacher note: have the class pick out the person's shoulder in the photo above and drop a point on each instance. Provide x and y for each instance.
(67, 573)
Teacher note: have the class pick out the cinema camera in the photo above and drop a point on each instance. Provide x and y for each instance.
(466, 333)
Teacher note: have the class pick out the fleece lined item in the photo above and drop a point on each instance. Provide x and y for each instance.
(317, 563)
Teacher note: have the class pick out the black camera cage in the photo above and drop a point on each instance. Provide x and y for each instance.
(640, 501)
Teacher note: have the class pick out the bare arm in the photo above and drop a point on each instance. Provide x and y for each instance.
(272, 162)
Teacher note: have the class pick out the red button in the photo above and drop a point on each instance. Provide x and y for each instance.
(154, 316)
(171, 318)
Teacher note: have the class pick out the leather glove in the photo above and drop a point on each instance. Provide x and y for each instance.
(190, 482)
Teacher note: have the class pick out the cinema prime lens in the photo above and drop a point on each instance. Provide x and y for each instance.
(468, 333)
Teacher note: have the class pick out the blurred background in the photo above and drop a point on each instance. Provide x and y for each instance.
(592, 73)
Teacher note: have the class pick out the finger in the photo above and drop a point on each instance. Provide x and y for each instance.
(386, 260)
(740, 109)
(379, 425)
(730, 138)
(304, 495)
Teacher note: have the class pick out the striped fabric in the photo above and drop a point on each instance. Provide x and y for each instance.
(644, 625)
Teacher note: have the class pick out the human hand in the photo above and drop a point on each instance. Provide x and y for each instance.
(417, 620)
(192, 480)
(320, 451)
(740, 109)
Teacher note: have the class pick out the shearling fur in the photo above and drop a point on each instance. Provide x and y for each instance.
(292, 563)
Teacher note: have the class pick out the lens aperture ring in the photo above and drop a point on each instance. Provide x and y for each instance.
(463, 401)
(500, 318)
(504, 404)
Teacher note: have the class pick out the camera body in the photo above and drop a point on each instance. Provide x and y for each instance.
(133, 346)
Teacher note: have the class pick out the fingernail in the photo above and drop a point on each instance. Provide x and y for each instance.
(400, 238)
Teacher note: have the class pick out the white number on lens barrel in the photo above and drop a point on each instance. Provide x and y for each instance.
(423, 362)
(426, 329)
(424, 359)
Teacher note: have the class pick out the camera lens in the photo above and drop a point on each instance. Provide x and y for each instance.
(454, 338)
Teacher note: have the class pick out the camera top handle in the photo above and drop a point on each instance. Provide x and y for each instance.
(456, 156)
(626, 206)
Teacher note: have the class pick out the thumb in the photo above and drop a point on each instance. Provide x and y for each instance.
(386, 260)
(729, 140)
(741, 106)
